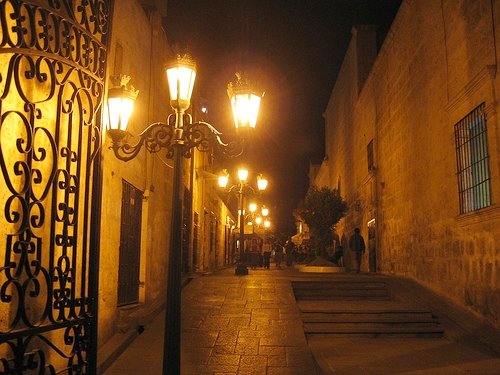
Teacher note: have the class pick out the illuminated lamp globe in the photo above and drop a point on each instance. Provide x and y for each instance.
(181, 75)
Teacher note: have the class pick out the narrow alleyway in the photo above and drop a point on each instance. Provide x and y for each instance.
(254, 325)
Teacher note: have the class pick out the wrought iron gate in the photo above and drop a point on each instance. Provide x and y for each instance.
(52, 67)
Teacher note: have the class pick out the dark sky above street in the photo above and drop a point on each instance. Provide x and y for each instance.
(292, 50)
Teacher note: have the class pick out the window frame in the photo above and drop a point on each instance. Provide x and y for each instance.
(472, 157)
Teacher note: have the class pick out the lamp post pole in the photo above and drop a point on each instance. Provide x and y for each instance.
(172, 339)
(241, 268)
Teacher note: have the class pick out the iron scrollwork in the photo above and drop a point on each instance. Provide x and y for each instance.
(158, 136)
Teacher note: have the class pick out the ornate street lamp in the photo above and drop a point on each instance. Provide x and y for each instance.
(240, 188)
(258, 219)
(178, 136)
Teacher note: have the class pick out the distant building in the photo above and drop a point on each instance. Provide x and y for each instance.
(412, 142)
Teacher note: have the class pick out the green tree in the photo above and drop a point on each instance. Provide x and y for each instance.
(321, 209)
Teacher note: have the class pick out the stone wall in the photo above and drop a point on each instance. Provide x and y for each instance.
(437, 64)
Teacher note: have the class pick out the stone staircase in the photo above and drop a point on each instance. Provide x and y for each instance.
(360, 307)
(343, 290)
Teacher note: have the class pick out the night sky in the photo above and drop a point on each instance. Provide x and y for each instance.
(293, 51)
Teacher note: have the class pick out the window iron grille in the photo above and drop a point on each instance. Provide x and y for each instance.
(473, 161)
(369, 156)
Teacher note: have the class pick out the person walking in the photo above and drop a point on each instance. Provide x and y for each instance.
(335, 251)
(254, 254)
(357, 244)
(278, 255)
(266, 249)
(289, 251)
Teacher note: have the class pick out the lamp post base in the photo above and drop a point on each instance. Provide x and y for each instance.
(241, 269)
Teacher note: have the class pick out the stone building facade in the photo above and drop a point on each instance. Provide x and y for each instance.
(412, 142)
(140, 48)
(135, 225)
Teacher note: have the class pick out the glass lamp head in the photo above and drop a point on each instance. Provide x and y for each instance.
(121, 99)
(242, 174)
(181, 75)
(245, 103)
(261, 183)
(223, 179)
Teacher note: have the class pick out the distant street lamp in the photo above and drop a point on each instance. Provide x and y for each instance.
(267, 223)
(179, 136)
(239, 189)
(257, 218)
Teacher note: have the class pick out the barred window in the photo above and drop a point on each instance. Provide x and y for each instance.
(472, 161)
(369, 156)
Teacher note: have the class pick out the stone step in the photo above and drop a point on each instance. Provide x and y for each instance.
(360, 291)
(348, 295)
(365, 316)
(330, 289)
(348, 290)
(312, 285)
(365, 297)
(410, 329)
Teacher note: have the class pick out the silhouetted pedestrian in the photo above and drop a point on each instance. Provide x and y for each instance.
(278, 255)
(357, 244)
(254, 254)
(289, 250)
(267, 249)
